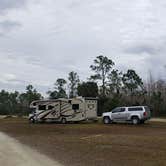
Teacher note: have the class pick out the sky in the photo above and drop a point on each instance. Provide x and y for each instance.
(41, 40)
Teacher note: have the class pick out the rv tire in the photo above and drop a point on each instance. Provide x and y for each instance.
(31, 120)
(95, 121)
(63, 121)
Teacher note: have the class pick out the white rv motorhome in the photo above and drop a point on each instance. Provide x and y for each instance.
(64, 110)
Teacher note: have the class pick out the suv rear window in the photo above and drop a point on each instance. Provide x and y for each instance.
(135, 109)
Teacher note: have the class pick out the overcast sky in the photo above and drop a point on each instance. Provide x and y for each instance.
(41, 40)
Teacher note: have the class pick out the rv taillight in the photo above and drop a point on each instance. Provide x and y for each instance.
(145, 113)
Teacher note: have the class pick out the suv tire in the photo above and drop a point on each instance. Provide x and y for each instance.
(106, 120)
(142, 121)
(135, 121)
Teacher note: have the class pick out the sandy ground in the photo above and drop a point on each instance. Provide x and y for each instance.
(158, 120)
(13, 153)
(87, 144)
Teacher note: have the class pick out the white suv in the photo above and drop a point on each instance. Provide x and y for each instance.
(134, 114)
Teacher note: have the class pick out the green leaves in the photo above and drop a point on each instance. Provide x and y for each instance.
(30, 95)
(115, 81)
(59, 91)
(132, 81)
(102, 66)
(18, 103)
(88, 89)
(73, 83)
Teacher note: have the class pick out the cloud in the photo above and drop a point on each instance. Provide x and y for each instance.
(7, 26)
(6, 5)
(57, 37)
(142, 49)
(6, 77)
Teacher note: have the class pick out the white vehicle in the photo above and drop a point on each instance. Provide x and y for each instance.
(64, 110)
(134, 114)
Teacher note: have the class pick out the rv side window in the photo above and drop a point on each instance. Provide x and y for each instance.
(75, 106)
(34, 104)
(50, 107)
(42, 107)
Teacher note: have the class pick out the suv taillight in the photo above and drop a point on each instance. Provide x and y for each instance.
(145, 113)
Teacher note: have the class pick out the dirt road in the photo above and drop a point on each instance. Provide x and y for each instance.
(12, 153)
(87, 144)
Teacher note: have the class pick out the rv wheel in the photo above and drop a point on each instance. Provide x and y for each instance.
(63, 121)
(31, 120)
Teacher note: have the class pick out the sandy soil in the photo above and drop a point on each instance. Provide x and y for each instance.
(12, 153)
(158, 120)
(93, 144)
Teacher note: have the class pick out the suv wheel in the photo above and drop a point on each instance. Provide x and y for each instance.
(106, 120)
(135, 120)
(63, 121)
(142, 121)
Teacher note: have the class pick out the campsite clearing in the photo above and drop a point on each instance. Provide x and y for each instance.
(93, 144)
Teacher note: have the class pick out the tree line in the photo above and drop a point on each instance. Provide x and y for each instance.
(112, 87)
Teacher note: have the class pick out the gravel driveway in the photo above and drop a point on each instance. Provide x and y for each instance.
(12, 153)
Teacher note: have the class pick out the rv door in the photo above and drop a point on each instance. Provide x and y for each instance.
(91, 109)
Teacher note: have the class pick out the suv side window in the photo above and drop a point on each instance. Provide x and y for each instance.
(122, 109)
(116, 110)
(135, 109)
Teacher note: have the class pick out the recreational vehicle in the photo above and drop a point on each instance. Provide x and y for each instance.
(64, 110)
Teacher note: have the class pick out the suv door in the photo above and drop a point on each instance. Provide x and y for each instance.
(118, 114)
(114, 115)
(122, 114)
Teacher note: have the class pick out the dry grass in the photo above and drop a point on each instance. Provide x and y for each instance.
(93, 144)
